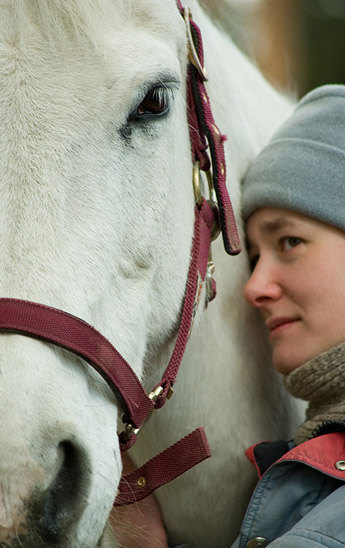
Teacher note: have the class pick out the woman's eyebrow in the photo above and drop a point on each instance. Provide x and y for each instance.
(270, 227)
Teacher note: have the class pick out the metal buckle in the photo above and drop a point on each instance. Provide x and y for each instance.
(212, 201)
(130, 429)
(192, 53)
(209, 277)
(215, 230)
(196, 184)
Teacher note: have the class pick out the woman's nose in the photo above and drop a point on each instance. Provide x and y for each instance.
(262, 286)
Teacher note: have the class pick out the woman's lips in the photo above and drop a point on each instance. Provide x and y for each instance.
(278, 325)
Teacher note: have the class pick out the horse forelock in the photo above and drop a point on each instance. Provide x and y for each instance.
(63, 21)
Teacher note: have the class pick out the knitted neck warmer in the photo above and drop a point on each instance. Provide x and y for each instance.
(321, 381)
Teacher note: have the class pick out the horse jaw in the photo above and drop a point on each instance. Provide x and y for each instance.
(89, 205)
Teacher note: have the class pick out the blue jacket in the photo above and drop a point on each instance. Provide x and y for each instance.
(299, 501)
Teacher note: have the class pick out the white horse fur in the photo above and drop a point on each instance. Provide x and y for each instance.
(97, 219)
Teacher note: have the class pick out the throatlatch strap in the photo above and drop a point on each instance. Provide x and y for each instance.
(196, 276)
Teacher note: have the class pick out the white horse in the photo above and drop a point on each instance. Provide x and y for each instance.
(96, 219)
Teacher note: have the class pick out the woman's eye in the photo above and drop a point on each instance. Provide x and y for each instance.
(289, 242)
(156, 103)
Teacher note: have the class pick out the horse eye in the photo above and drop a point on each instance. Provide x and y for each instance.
(155, 104)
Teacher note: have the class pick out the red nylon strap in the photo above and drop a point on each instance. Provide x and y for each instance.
(197, 271)
(165, 467)
(204, 131)
(72, 333)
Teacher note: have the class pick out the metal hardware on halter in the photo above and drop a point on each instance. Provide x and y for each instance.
(212, 200)
(209, 282)
(129, 430)
(213, 203)
(207, 141)
(192, 53)
(196, 184)
(215, 231)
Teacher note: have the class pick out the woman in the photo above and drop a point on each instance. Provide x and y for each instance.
(294, 209)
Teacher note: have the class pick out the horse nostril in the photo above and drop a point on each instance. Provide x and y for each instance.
(67, 495)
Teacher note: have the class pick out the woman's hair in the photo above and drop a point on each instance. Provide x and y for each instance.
(303, 166)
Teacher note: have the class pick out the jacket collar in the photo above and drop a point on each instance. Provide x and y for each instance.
(323, 453)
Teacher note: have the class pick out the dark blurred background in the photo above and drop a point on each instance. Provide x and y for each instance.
(298, 44)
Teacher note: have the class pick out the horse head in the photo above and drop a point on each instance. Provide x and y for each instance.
(96, 219)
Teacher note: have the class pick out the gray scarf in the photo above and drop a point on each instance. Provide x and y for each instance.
(321, 381)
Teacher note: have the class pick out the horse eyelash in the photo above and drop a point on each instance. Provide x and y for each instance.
(163, 94)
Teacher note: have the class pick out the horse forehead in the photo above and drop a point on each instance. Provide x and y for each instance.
(147, 25)
(88, 18)
(125, 34)
(161, 15)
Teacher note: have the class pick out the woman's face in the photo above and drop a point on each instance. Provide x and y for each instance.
(297, 283)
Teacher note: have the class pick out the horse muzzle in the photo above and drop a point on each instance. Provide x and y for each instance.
(35, 515)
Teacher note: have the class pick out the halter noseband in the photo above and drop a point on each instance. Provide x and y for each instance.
(69, 332)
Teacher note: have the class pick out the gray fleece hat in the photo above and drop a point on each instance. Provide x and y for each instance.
(303, 166)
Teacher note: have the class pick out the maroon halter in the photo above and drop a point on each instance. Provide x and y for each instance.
(69, 332)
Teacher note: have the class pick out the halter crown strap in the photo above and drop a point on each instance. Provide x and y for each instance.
(204, 132)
